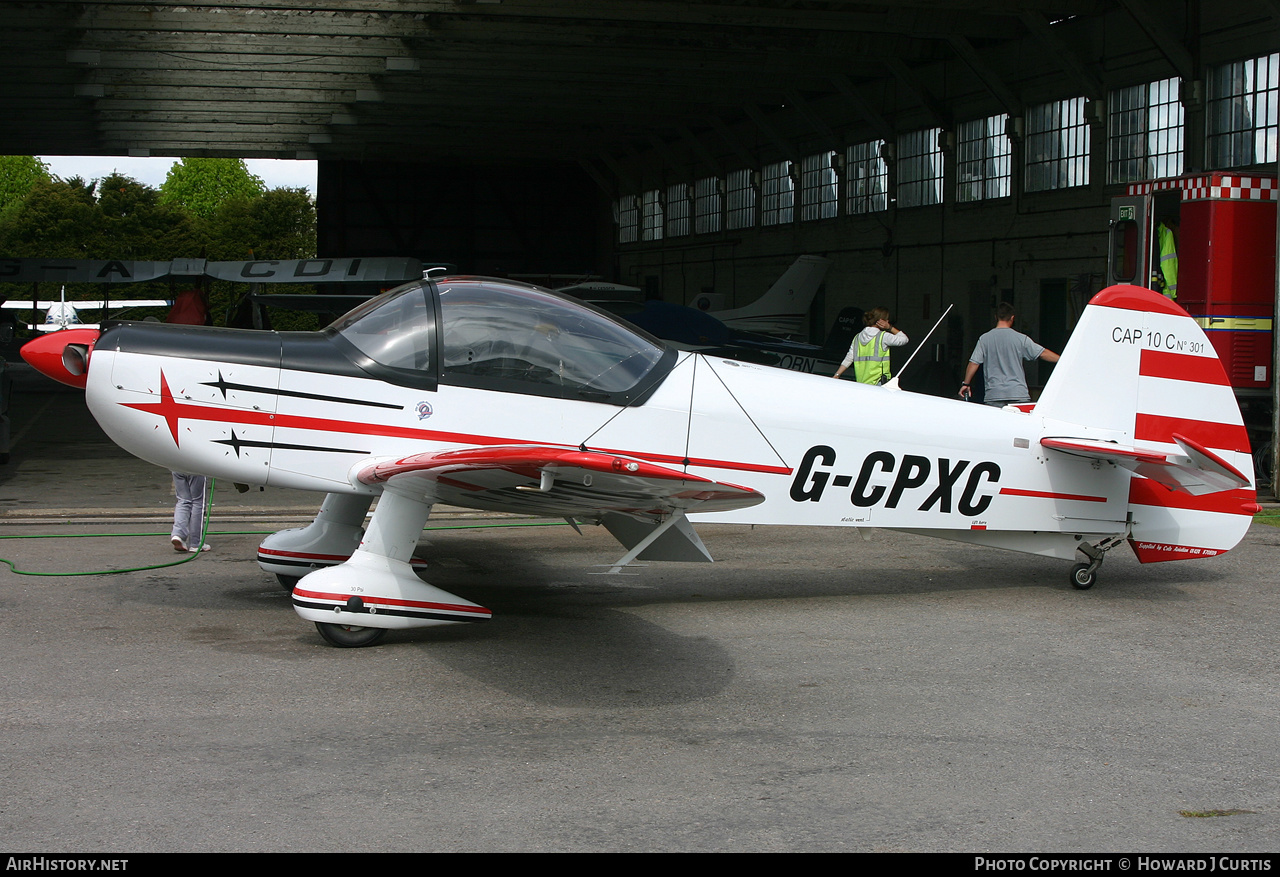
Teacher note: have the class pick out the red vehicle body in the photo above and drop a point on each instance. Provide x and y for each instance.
(1226, 246)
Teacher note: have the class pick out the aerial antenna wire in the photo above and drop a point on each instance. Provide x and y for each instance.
(892, 383)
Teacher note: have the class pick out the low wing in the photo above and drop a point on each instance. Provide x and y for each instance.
(96, 304)
(559, 482)
(1197, 471)
(114, 303)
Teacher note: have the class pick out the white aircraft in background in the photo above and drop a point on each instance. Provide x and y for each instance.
(781, 311)
(495, 395)
(64, 314)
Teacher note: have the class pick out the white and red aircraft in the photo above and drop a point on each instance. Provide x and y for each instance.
(492, 394)
(64, 314)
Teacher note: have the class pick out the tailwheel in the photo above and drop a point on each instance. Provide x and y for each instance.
(1083, 576)
(347, 636)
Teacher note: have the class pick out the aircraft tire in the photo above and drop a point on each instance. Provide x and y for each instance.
(1083, 578)
(350, 637)
(287, 582)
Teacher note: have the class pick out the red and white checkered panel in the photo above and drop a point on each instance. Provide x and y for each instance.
(1222, 187)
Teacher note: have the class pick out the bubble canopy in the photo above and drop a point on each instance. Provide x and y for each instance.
(502, 335)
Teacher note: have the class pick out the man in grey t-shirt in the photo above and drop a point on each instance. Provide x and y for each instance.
(1001, 353)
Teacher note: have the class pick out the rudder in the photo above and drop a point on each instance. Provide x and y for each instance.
(1139, 385)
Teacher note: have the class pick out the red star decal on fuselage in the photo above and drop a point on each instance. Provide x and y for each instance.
(167, 408)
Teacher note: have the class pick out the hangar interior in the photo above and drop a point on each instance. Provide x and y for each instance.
(939, 152)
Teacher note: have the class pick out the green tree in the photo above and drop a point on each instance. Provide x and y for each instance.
(202, 185)
(56, 220)
(18, 173)
(121, 218)
(280, 224)
(135, 224)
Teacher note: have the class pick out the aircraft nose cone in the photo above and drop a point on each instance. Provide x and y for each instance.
(63, 356)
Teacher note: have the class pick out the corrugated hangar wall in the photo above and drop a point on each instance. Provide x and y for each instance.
(483, 219)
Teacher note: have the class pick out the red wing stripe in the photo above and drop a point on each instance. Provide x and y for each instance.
(1042, 494)
(703, 461)
(1182, 367)
(1221, 436)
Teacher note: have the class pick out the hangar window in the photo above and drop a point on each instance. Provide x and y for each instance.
(707, 202)
(777, 194)
(678, 210)
(818, 187)
(919, 168)
(1144, 128)
(741, 195)
(626, 213)
(651, 216)
(983, 159)
(1242, 112)
(867, 179)
(1057, 146)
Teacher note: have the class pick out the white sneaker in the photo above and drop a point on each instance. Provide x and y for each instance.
(177, 544)
(205, 547)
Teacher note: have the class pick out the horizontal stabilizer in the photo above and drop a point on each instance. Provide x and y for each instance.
(1197, 471)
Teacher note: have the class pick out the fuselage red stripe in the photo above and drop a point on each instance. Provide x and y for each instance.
(214, 414)
(1044, 494)
(1242, 501)
(1219, 436)
(1182, 367)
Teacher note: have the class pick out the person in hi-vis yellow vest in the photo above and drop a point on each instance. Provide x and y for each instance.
(1166, 273)
(869, 352)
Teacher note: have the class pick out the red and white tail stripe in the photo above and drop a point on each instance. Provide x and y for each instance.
(1139, 377)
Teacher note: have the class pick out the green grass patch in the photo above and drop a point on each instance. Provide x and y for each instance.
(1270, 517)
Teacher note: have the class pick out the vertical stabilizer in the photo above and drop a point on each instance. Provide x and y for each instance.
(1140, 386)
(781, 310)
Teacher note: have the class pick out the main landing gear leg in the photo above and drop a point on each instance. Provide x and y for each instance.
(326, 541)
(1085, 575)
(354, 603)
